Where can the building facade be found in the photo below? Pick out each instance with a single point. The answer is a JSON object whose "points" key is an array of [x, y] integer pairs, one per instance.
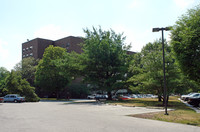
{"points": [[36, 47]]}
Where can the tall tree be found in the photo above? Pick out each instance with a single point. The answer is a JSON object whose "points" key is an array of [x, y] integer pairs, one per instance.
{"points": [[104, 58], [185, 41], [49, 76], [148, 69]]}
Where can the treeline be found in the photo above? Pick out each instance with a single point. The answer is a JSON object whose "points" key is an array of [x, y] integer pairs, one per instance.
{"points": [[106, 66]]}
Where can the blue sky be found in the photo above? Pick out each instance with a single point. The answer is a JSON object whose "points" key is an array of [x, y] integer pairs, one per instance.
{"points": [[54, 19]]}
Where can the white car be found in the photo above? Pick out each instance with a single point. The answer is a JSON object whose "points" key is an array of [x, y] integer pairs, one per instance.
{"points": [[13, 98], [186, 97], [91, 96]]}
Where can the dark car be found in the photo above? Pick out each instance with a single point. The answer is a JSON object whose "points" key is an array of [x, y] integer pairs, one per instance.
{"points": [[195, 101], [99, 97]]}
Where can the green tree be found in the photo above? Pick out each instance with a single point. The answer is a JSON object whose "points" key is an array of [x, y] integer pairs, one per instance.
{"points": [[104, 59], [29, 68], [147, 69], [70, 64], [185, 41], [3, 74], [14, 84], [49, 75]]}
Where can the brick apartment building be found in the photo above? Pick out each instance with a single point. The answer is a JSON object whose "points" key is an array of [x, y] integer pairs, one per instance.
{"points": [[36, 47]]}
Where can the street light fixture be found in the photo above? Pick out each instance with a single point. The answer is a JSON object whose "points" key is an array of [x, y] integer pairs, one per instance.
{"points": [[165, 88]]}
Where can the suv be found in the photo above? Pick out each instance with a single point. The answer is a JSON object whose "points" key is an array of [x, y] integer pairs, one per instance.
{"points": [[13, 98]]}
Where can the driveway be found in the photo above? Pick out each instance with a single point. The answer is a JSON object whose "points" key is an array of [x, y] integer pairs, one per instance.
{"points": [[80, 117]]}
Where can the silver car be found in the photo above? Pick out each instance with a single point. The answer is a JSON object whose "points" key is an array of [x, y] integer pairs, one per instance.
{"points": [[13, 98]]}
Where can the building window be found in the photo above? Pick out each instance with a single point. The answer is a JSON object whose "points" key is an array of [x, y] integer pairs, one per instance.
{"points": [[24, 49], [27, 48], [23, 56], [68, 44], [31, 47], [31, 54], [26, 54]]}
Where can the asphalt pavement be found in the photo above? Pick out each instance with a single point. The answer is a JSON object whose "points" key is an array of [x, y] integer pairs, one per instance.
{"points": [[80, 117]]}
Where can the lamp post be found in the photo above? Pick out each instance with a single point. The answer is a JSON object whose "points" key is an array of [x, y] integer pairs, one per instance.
{"points": [[165, 88]]}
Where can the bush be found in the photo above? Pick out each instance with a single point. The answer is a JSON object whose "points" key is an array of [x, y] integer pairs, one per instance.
{"points": [[29, 92], [16, 85]]}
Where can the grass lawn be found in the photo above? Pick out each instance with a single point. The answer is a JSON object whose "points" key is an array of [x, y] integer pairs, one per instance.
{"points": [[181, 113]]}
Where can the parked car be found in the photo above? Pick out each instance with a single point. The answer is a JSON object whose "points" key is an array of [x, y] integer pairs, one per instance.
{"points": [[124, 97], [154, 96], [13, 98], [192, 96], [91, 96], [195, 101], [186, 97], [101, 97], [1, 100], [133, 96]]}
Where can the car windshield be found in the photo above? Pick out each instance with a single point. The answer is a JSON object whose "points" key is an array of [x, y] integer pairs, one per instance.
{"points": [[195, 95], [192, 94]]}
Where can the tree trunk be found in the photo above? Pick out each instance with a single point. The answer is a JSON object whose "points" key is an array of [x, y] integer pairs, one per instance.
{"points": [[167, 99], [109, 95], [57, 94], [159, 98]]}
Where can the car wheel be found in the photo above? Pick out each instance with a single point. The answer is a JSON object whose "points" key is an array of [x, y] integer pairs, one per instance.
{"points": [[15, 101]]}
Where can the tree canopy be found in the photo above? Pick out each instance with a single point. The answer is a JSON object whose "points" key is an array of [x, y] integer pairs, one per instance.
{"points": [[49, 75], [185, 41], [29, 68], [3, 75], [147, 69], [14, 84], [104, 58]]}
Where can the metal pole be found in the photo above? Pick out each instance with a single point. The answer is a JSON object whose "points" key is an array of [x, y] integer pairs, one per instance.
{"points": [[165, 89]]}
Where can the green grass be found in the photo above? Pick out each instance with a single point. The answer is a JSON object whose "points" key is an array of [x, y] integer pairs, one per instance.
{"points": [[181, 113]]}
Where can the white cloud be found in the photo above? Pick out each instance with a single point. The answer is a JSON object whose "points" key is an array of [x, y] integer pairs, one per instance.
{"points": [[184, 3], [52, 32]]}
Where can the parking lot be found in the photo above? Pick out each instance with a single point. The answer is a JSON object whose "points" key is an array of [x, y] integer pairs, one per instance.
{"points": [[76, 117]]}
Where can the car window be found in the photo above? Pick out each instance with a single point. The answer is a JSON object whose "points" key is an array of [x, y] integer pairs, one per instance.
{"points": [[7, 96], [12, 96], [195, 95]]}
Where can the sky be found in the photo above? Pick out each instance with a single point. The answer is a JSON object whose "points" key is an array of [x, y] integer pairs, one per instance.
{"points": [[55, 19]]}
